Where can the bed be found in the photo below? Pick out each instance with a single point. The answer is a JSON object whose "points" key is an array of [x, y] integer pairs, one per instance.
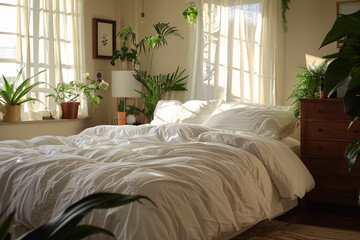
{"points": [[208, 182]]}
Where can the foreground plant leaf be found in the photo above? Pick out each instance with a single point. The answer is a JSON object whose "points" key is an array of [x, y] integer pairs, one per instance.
{"points": [[352, 152], [336, 74], [6, 225], [67, 222]]}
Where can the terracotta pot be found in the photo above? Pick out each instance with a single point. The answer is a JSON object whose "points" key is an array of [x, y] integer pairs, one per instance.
{"points": [[70, 110], [12, 113], [121, 118]]}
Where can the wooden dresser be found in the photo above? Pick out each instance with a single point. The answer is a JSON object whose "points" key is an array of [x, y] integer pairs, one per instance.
{"points": [[324, 139]]}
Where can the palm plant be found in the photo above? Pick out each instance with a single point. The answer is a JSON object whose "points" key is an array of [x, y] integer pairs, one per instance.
{"points": [[346, 30], [65, 225], [155, 86], [12, 95]]}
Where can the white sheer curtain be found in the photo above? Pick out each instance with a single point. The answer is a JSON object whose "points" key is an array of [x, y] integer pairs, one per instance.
{"points": [[50, 36], [232, 52]]}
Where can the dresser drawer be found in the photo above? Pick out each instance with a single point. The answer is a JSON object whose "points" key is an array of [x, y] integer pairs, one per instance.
{"points": [[325, 110], [331, 130], [322, 148], [330, 167], [344, 190]]}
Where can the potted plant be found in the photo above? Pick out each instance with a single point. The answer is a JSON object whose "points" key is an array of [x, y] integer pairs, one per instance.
{"points": [[67, 95], [190, 14], [155, 86], [121, 114], [346, 30], [12, 96], [307, 85]]}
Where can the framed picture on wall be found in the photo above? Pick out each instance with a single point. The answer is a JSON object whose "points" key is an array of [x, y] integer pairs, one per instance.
{"points": [[345, 8], [104, 38]]}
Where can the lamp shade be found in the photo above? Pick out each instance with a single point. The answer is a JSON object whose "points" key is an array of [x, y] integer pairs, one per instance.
{"points": [[123, 84]]}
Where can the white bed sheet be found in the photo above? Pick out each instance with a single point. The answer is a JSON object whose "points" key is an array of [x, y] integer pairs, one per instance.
{"points": [[207, 183]]}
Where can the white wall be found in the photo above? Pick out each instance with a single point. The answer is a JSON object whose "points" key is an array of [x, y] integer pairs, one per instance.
{"points": [[308, 23]]}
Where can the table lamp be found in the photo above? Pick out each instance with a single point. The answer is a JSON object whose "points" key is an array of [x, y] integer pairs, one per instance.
{"points": [[123, 85]]}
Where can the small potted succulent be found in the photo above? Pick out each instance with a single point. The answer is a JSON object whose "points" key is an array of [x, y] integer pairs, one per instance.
{"points": [[67, 95], [12, 96], [121, 114]]}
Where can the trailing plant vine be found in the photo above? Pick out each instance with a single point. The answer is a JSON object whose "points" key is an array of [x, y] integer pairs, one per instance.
{"points": [[284, 9], [190, 14]]}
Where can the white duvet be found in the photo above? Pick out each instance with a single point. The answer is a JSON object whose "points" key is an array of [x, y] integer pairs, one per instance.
{"points": [[206, 183]]}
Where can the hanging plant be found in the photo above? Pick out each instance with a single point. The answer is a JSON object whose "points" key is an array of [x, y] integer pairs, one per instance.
{"points": [[284, 8], [190, 14]]}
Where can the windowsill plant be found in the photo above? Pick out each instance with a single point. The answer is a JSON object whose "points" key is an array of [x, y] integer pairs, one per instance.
{"points": [[71, 92], [11, 97]]}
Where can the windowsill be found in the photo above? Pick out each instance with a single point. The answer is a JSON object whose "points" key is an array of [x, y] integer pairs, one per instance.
{"points": [[43, 121]]}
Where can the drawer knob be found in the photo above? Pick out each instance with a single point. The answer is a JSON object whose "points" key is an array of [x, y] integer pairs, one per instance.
{"points": [[356, 131], [319, 148], [319, 111], [320, 130]]}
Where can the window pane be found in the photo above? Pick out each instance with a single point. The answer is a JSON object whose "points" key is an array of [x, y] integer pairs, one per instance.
{"points": [[7, 46], [8, 1], [8, 19], [8, 70]]}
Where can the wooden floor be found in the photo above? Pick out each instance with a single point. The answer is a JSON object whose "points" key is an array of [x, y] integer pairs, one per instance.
{"points": [[332, 216]]}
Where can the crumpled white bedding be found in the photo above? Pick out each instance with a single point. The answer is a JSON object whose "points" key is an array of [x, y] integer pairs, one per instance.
{"points": [[205, 182]]}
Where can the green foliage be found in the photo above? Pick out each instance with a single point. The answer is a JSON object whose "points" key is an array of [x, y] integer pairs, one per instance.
{"points": [[121, 106], [70, 92], [125, 53], [284, 9], [64, 226], [5, 226], [307, 85], [190, 14], [12, 95], [155, 86], [346, 30]]}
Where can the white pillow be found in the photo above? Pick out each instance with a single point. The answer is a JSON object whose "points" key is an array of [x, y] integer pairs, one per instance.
{"points": [[193, 111], [271, 121], [196, 111], [166, 111]]}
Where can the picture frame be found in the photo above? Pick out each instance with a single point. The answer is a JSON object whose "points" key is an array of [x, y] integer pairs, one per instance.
{"points": [[345, 8], [104, 38]]}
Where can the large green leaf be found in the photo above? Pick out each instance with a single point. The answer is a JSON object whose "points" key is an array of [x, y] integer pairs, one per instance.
{"points": [[352, 102], [5, 226], [68, 220], [352, 152], [342, 27], [82, 231], [355, 78], [336, 73]]}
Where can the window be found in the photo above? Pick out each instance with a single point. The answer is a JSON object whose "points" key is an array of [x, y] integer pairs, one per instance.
{"points": [[37, 35], [234, 50]]}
